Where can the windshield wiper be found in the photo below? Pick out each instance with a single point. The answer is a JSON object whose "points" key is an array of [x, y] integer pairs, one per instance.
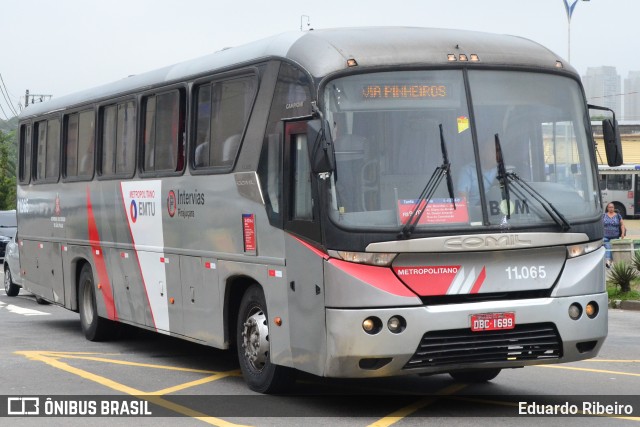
{"points": [[427, 192], [553, 212], [505, 177], [502, 176]]}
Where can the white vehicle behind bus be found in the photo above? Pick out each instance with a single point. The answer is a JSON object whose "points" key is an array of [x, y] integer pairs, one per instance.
{"points": [[620, 185]]}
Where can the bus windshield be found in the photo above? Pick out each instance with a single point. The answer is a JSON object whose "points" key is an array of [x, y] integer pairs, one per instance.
{"points": [[387, 141]]}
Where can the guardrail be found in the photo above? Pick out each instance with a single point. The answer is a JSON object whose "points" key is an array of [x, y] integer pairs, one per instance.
{"points": [[623, 249]]}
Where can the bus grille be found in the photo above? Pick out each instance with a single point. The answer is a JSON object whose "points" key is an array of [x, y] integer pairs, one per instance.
{"points": [[453, 347]]}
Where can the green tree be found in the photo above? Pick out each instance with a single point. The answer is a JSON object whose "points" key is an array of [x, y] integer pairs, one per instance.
{"points": [[8, 157]]}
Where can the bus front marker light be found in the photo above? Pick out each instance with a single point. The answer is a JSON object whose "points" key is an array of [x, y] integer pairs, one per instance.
{"points": [[463, 57], [451, 57], [278, 321], [372, 325], [575, 311], [352, 62], [396, 324], [475, 58], [591, 309]]}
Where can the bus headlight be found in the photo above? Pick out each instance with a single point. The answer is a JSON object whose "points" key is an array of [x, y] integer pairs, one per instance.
{"points": [[583, 249], [380, 259]]}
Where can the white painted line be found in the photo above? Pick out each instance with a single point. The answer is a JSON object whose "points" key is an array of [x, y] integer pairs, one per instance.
{"points": [[24, 311]]}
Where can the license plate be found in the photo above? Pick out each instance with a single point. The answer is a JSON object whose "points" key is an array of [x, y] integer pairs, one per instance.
{"points": [[493, 321]]}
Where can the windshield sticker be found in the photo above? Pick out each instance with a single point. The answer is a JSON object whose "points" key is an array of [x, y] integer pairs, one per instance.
{"points": [[463, 123], [438, 211]]}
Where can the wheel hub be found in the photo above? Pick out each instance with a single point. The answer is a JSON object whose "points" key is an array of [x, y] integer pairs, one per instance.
{"points": [[255, 339]]}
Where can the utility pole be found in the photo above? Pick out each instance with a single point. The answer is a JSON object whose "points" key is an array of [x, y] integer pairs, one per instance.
{"points": [[35, 98], [569, 8]]}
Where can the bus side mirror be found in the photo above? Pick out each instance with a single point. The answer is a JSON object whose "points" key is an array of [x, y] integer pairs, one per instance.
{"points": [[612, 143], [320, 147]]}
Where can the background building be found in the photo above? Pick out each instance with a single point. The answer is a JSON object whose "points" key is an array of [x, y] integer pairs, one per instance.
{"points": [[632, 96], [602, 87]]}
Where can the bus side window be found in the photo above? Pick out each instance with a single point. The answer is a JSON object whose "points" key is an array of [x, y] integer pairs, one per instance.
{"points": [[117, 140], [222, 114], [48, 150], [25, 154], [79, 145], [70, 146], [603, 181], [163, 144]]}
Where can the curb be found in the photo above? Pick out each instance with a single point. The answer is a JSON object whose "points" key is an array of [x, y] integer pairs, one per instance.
{"points": [[625, 305]]}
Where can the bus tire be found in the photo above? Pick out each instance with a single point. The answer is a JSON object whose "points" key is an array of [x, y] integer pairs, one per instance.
{"points": [[10, 288], [252, 343], [94, 327], [41, 300], [619, 207], [475, 375]]}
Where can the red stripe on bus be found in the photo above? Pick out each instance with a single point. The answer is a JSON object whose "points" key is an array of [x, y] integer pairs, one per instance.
{"points": [[311, 248], [135, 252], [98, 261], [382, 278], [479, 281]]}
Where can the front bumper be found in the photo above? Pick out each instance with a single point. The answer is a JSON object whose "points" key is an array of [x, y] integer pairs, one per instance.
{"points": [[351, 352]]}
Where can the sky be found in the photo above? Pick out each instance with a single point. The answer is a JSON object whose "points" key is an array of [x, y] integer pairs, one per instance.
{"points": [[57, 47]]}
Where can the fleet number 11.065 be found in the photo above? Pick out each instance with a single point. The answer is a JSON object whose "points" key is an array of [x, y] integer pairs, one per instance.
{"points": [[524, 272]]}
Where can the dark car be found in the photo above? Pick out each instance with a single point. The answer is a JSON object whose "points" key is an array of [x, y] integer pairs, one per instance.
{"points": [[8, 229]]}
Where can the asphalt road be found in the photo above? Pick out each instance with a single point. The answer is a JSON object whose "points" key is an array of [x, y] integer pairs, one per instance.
{"points": [[44, 354]]}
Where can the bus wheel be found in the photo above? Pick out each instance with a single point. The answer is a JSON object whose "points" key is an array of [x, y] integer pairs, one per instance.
{"points": [[475, 375], [252, 342], [10, 288], [620, 209], [41, 300], [94, 327]]}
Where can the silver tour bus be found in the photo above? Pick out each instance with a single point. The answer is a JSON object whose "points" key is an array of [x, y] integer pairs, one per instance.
{"points": [[357, 202]]}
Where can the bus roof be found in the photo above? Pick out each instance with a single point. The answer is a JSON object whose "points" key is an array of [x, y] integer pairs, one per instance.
{"points": [[325, 51]]}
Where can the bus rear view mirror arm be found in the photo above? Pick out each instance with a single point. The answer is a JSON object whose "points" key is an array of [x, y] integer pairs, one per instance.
{"points": [[320, 147]]}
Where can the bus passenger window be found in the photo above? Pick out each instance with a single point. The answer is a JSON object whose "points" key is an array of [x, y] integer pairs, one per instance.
{"points": [[71, 146], [78, 145], [53, 148], [47, 156], [126, 138], [222, 113], [163, 133], [25, 154]]}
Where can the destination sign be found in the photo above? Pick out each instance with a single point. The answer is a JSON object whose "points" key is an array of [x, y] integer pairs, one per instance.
{"points": [[404, 91]]}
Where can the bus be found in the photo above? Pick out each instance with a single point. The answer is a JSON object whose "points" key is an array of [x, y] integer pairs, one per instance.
{"points": [[620, 185], [312, 201]]}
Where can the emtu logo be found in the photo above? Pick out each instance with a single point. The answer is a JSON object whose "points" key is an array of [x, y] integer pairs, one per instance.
{"points": [[171, 203], [133, 211]]}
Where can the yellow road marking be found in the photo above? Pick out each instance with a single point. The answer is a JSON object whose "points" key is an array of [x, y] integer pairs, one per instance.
{"points": [[87, 356], [602, 371], [401, 413], [201, 381], [612, 360], [52, 359]]}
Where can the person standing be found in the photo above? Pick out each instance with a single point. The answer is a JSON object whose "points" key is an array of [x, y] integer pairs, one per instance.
{"points": [[613, 229]]}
